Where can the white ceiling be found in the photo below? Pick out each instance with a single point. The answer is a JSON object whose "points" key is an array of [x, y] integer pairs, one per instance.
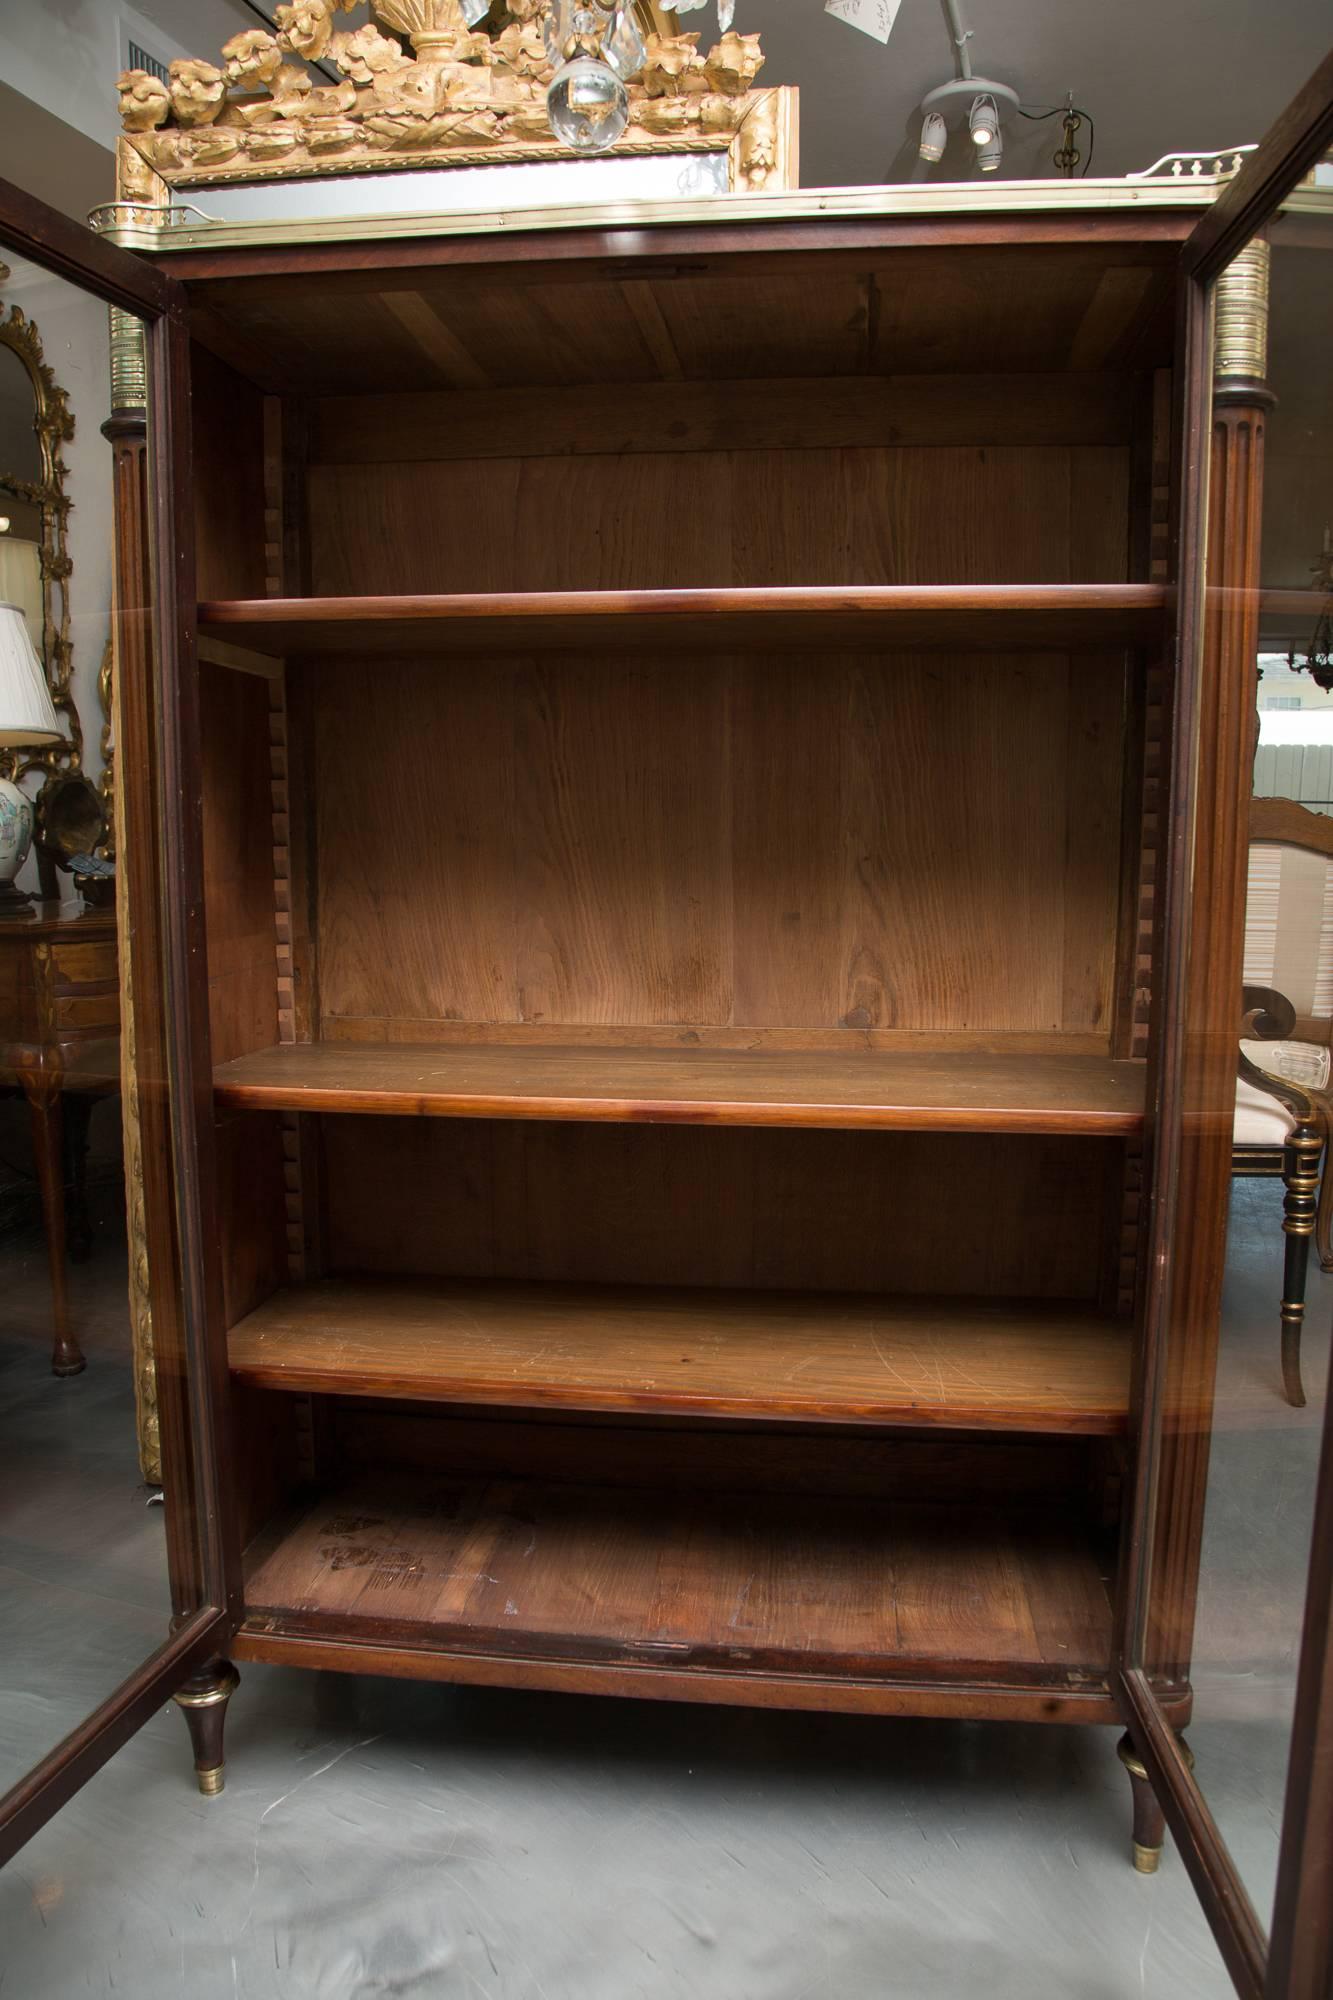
{"points": [[1156, 75]]}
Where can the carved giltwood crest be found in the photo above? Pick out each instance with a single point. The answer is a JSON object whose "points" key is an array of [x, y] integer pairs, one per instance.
{"points": [[430, 91]]}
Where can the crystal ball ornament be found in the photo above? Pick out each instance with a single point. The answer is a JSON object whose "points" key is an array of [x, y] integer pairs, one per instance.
{"points": [[587, 105]]}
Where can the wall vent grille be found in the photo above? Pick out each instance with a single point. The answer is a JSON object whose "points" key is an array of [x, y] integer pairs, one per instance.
{"points": [[139, 58]]}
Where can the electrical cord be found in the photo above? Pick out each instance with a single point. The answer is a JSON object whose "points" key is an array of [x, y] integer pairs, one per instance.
{"points": [[1059, 111]]}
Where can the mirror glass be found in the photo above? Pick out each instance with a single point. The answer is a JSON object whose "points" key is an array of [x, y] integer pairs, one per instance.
{"points": [[21, 475], [458, 190], [20, 451]]}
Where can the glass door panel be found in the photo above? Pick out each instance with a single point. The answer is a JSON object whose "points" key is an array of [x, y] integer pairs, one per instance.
{"points": [[1245, 1424], [84, 1591], [1236, 1368], [106, 1602], [1277, 1302]]}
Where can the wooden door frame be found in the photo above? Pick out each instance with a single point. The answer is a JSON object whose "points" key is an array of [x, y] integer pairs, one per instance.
{"points": [[171, 977], [1300, 135], [1298, 1965]]}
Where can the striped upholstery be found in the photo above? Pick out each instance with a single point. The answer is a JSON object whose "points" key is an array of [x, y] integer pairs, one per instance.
{"points": [[1288, 945], [1289, 926]]}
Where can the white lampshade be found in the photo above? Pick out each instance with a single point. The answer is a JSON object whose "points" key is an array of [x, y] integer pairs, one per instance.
{"points": [[21, 580], [26, 711]]}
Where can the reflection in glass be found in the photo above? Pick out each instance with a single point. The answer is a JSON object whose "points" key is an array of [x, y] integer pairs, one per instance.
{"points": [[84, 1597], [20, 479], [1264, 1442]]}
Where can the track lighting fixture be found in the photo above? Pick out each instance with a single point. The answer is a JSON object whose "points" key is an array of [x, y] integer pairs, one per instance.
{"points": [[990, 155], [983, 120], [934, 136], [984, 103]]}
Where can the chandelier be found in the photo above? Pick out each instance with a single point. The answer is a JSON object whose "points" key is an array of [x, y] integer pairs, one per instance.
{"points": [[1318, 657]]}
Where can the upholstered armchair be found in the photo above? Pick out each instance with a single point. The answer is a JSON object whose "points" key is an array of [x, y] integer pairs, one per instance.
{"points": [[1284, 1111]]}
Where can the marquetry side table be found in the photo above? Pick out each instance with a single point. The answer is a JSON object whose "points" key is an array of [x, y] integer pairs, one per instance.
{"points": [[59, 1031]]}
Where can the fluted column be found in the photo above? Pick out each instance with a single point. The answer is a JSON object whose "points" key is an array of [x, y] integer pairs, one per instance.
{"points": [[127, 431], [1227, 740]]}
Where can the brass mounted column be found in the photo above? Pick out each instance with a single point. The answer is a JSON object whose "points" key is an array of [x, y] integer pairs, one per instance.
{"points": [[127, 431], [1228, 651], [129, 374], [1240, 332], [1242, 401]]}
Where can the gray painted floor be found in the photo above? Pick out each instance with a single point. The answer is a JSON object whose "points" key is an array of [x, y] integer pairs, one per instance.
{"points": [[378, 1838]]}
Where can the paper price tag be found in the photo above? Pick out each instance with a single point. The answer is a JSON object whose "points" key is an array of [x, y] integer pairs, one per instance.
{"points": [[872, 17]]}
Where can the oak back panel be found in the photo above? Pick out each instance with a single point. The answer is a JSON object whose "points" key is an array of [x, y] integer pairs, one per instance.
{"points": [[653, 1204], [227, 415], [649, 519], [238, 861], [831, 844]]}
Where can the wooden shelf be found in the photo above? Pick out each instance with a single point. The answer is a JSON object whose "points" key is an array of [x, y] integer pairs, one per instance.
{"points": [[965, 1364], [524, 1573], [888, 617], [864, 1088]]}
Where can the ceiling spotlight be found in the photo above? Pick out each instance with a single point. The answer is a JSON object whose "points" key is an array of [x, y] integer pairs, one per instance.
{"points": [[983, 121], [934, 136], [981, 103]]}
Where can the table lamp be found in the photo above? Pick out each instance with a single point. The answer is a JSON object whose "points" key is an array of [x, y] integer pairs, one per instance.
{"points": [[21, 578], [27, 718]]}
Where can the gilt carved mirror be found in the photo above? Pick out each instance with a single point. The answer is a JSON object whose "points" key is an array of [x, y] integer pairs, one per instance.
{"points": [[35, 570]]}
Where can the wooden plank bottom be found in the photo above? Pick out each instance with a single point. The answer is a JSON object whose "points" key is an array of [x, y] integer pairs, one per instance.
{"points": [[817, 1595]]}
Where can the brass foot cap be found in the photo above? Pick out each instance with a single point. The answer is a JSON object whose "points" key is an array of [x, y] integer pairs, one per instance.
{"points": [[1146, 1858], [211, 1782], [68, 1367]]}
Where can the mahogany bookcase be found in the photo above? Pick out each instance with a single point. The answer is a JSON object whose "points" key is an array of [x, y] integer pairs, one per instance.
{"points": [[686, 908]]}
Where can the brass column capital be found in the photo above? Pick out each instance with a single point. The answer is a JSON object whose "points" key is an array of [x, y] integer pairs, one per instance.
{"points": [[1240, 331], [129, 369]]}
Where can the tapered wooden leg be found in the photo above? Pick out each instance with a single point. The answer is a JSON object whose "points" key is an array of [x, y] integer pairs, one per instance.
{"points": [[204, 1699], [1149, 1819], [1300, 1175], [43, 1095]]}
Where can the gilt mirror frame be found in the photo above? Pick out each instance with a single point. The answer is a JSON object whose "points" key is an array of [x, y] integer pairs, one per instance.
{"points": [[53, 423], [53, 426]]}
